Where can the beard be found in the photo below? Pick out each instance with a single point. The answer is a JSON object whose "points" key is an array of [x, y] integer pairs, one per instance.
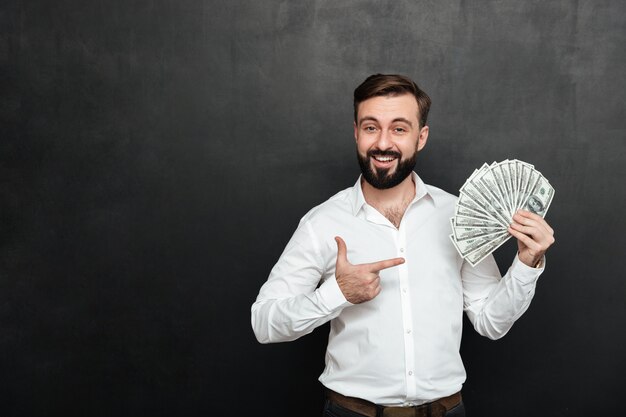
{"points": [[381, 178]]}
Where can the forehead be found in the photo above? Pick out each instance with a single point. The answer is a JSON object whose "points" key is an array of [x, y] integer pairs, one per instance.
{"points": [[387, 108]]}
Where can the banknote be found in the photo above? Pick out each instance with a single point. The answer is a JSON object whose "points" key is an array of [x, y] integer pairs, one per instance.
{"points": [[482, 252], [468, 212], [494, 184], [471, 191], [472, 232], [468, 205], [487, 202], [468, 246], [503, 170], [463, 221], [539, 199]]}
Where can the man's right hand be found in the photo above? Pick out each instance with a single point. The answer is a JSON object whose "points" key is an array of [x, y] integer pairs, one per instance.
{"points": [[359, 283]]}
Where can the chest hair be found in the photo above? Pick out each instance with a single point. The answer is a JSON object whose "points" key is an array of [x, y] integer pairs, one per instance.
{"points": [[395, 213]]}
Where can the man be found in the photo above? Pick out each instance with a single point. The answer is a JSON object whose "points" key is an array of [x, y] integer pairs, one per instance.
{"points": [[393, 348]]}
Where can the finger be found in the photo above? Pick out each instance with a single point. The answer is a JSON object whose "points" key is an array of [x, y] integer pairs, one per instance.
{"points": [[372, 280], [377, 291], [387, 263], [533, 222], [539, 230], [525, 214], [527, 218], [526, 240], [528, 214], [539, 241], [342, 251], [374, 287], [536, 231]]}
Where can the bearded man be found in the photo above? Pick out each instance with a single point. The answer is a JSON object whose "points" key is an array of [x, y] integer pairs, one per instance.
{"points": [[395, 330]]}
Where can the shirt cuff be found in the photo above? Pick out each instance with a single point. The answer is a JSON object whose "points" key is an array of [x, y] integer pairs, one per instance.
{"points": [[331, 296], [524, 273]]}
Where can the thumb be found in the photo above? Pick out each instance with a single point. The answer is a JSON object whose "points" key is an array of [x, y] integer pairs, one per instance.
{"points": [[342, 251]]}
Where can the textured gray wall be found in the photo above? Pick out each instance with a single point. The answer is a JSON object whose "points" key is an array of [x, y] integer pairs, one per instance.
{"points": [[156, 156]]}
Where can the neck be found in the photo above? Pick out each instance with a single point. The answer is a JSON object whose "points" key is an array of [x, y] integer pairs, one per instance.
{"points": [[398, 196]]}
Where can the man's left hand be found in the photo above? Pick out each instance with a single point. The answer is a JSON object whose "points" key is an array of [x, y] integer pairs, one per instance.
{"points": [[534, 236]]}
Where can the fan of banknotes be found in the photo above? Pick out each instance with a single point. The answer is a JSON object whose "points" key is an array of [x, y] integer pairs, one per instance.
{"points": [[487, 202]]}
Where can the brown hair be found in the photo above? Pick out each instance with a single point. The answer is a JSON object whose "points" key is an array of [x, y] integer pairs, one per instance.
{"points": [[392, 85]]}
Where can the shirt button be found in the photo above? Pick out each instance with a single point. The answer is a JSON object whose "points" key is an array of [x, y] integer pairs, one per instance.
{"points": [[408, 331], [402, 250], [404, 290], [410, 372]]}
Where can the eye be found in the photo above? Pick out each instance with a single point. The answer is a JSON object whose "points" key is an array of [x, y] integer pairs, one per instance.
{"points": [[399, 129], [369, 129]]}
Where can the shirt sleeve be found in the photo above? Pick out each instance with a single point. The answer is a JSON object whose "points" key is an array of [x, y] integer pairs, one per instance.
{"points": [[292, 303], [493, 303]]}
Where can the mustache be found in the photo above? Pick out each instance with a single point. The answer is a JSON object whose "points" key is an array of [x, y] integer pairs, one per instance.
{"points": [[373, 153]]}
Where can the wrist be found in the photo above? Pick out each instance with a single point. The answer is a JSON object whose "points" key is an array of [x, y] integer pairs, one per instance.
{"points": [[531, 261]]}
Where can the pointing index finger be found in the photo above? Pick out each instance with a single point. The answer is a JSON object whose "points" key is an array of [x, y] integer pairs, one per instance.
{"points": [[385, 264]]}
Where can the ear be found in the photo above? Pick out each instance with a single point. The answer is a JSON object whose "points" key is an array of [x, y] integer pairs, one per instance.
{"points": [[422, 138], [356, 129]]}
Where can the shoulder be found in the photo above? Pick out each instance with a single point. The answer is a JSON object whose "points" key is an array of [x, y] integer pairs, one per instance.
{"points": [[336, 206], [325, 221]]}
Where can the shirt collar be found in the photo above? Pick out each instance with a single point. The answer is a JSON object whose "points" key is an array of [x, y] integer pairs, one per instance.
{"points": [[358, 200]]}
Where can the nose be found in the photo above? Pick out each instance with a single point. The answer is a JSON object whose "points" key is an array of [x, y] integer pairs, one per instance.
{"points": [[384, 140]]}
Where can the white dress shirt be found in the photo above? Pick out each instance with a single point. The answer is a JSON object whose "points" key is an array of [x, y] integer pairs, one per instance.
{"points": [[402, 347]]}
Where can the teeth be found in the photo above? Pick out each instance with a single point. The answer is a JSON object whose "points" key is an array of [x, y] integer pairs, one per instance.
{"points": [[384, 158]]}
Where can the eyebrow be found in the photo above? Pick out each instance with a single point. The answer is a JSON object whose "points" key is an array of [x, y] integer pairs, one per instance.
{"points": [[397, 119]]}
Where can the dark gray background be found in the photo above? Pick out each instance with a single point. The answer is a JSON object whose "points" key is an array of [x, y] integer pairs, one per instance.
{"points": [[156, 156]]}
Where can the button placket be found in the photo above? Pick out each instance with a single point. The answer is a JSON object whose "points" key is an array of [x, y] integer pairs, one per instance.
{"points": [[407, 322]]}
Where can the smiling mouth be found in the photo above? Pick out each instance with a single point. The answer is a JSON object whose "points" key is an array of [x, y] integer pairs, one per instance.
{"points": [[383, 158]]}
